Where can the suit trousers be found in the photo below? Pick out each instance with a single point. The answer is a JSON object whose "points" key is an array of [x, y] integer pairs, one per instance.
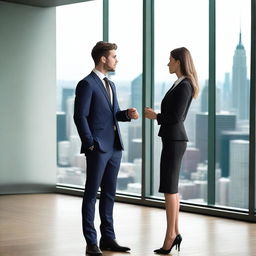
{"points": [[102, 171]]}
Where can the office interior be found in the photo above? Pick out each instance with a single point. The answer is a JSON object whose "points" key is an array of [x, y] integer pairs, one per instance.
{"points": [[44, 52]]}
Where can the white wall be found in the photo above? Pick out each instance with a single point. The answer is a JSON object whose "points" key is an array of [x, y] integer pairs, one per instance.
{"points": [[27, 98]]}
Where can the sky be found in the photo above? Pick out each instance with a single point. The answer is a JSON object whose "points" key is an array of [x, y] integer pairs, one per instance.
{"points": [[177, 23]]}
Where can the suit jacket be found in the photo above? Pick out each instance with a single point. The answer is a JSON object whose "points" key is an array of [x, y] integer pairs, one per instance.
{"points": [[95, 118], [174, 108]]}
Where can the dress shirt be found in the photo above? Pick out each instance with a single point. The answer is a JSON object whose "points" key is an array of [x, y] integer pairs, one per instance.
{"points": [[101, 77], [178, 81]]}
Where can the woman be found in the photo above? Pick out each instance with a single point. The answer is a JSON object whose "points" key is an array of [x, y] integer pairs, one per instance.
{"points": [[174, 108]]}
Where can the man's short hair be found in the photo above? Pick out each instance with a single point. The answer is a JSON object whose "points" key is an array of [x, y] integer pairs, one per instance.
{"points": [[102, 49]]}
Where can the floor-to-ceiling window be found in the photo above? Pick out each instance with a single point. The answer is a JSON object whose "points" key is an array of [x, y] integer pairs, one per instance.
{"points": [[125, 29], [76, 36], [232, 102], [176, 25], [216, 165]]}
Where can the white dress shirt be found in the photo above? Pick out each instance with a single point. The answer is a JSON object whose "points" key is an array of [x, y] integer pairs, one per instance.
{"points": [[101, 77], [178, 81]]}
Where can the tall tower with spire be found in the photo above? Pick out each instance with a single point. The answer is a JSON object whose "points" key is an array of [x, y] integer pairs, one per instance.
{"points": [[240, 85]]}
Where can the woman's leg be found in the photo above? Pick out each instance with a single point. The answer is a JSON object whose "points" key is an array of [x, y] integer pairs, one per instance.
{"points": [[171, 217], [177, 214]]}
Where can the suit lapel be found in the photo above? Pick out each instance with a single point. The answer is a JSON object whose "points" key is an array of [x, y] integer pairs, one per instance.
{"points": [[99, 83], [173, 87], [170, 89]]}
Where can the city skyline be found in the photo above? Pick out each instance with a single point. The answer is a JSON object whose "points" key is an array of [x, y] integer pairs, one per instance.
{"points": [[232, 128]]}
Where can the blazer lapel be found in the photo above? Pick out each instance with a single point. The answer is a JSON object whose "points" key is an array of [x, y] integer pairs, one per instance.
{"points": [[170, 89], [99, 83], [174, 86]]}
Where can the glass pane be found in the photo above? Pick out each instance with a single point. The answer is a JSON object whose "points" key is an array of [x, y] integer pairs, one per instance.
{"points": [[125, 29], [173, 31], [232, 112], [75, 40]]}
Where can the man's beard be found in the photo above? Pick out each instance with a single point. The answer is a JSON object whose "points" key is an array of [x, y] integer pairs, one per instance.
{"points": [[109, 69]]}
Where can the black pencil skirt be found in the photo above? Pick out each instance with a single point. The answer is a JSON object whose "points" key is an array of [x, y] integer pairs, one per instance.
{"points": [[171, 157]]}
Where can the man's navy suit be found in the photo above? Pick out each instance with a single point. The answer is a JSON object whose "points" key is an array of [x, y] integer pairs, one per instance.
{"points": [[96, 120]]}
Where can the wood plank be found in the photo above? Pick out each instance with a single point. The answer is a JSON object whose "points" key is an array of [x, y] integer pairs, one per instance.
{"points": [[50, 225]]}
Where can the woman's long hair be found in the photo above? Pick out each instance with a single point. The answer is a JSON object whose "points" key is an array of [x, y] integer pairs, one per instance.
{"points": [[187, 67]]}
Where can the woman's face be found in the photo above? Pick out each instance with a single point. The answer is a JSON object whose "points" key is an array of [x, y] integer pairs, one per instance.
{"points": [[173, 65]]}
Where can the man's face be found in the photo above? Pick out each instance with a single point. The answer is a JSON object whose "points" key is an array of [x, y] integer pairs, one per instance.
{"points": [[111, 61]]}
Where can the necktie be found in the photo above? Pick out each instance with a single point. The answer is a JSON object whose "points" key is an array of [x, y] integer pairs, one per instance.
{"points": [[107, 87]]}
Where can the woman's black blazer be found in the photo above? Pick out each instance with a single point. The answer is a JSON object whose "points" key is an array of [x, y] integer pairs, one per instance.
{"points": [[174, 108]]}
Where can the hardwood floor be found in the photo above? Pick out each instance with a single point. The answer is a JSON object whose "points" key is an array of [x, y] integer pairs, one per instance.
{"points": [[50, 225]]}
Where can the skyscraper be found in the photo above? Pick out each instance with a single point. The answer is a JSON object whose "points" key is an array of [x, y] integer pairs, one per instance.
{"points": [[225, 139], [61, 134], [240, 85], [135, 141], [134, 130], [239, 173], [222, 191], [136, 95], [190, 160], [224, 122], [204, 98], [226, 94]]}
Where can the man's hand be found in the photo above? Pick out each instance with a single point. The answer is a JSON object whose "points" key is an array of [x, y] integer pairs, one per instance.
{"points": [[132, 113], [150, 113]]}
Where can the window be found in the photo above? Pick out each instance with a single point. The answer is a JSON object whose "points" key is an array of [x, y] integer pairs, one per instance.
{"points": [[229, 66], [173, 31], [125, 29], [232, 93], [75, 39]]}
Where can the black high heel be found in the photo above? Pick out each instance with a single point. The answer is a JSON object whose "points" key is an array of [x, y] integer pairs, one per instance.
{"points": [[176, 243], [179, 238]]}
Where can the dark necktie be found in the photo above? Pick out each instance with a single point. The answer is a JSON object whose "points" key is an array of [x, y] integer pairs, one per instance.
{"points": [[107, 87]]}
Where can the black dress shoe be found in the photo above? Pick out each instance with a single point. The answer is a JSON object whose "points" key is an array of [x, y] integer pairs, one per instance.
{"points": [[112, 245], [93, 249]]}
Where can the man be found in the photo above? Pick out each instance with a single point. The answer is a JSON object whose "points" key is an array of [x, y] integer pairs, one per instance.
{"points": [[96, 116]]}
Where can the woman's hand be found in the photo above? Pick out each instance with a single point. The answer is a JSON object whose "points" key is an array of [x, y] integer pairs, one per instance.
{"points": [[149, 113]]}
